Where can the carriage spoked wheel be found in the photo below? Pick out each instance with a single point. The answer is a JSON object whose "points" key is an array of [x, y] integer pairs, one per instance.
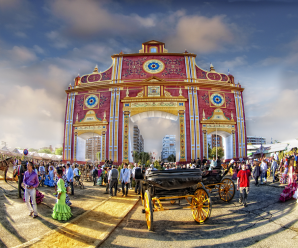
{"points": [[226, 189], [148, 210], [142, 195], [201, 206]]}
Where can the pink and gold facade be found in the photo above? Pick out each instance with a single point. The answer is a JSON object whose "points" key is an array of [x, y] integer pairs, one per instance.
{"points": [[155, 80]]}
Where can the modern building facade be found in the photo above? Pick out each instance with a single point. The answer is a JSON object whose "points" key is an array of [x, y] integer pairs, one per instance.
{"points": [[168, 147], [216, 139], [138, 140], [153, 82], [93, 146], [254, 140]]}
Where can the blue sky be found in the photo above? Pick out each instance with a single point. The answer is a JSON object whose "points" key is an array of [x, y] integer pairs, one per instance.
{"points": [[45, 44]]}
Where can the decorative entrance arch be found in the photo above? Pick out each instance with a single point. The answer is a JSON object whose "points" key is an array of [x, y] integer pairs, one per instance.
{"points": [[154, 80]]}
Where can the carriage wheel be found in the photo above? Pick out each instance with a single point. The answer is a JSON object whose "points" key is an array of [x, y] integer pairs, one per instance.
{"points": [[148, 210], [201, 205], [226, 190]]}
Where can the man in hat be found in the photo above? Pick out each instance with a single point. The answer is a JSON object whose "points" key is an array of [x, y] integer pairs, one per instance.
{"points": [[113, 180], [20, 172]]}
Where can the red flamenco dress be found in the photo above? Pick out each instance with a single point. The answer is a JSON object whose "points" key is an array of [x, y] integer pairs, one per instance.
{"points": [[290, 189]]}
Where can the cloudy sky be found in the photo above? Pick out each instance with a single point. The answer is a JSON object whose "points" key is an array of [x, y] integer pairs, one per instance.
{"points": [[45, 44]]}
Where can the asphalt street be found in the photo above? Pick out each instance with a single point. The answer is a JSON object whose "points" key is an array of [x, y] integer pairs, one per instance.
{"points": [[265, 222]]}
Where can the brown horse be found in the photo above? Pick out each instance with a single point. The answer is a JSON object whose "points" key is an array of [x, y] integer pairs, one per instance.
{"points": [[4, 165]]}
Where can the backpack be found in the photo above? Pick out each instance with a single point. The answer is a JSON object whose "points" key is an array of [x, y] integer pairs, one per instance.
{"points": [[138, 173]]}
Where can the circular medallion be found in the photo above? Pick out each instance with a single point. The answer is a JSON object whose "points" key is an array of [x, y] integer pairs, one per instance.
{"points": [[25, 152], [153, 66], [217, 99], [91, 101]]}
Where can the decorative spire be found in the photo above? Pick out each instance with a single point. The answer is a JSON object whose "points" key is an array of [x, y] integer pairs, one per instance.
{"points": [[232, 116], [211, 67], [204, 117], [185, 51], [121, 52], [228, 71], [127, 92], [96, 69], [104, 115], [180, 92], [77, 119]]}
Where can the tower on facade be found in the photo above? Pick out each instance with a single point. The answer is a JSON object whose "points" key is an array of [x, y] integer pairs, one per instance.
{"points": [[168, 147], [138, 140]]}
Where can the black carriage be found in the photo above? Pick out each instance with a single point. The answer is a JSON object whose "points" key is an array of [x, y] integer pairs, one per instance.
{"points": [[215, 180], [173, 185]]}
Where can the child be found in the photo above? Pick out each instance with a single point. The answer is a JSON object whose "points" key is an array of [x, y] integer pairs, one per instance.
{"points": [[61, 211]]}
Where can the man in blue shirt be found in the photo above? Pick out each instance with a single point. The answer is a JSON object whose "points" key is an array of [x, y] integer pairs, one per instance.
{"points": [[69, 176], [125, 179]]}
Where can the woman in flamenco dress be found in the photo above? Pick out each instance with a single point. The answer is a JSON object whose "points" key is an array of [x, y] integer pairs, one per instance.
{"points": [[290, 189], [67, 199], [61, 211]]}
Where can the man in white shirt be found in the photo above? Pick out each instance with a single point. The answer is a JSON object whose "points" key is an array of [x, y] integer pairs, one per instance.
{"points": [[263, 169], [125, 179], [150, 169], [275, 156]]}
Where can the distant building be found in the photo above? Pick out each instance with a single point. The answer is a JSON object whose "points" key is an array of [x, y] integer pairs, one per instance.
{"points": [[138, 140], [211, 140], [219, 140], [254, 140], [93, 146], [168, 147]]}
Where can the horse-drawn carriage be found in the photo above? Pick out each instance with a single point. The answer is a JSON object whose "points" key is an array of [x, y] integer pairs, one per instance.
{"points": [[192, 185]]}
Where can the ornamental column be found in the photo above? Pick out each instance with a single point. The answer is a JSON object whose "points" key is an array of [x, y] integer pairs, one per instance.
{"points": [[182, 135], [75, 146], [234, 144], [103, 146], [126, 137], [205, 143]]}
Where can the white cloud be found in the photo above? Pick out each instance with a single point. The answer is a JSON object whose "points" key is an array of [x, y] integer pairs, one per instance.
{"points": [[20, 55], [202, 34], [32, 117], [38, 49], [57, 39], [20, 34]]}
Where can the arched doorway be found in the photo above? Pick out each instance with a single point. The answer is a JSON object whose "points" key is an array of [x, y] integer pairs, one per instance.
{"points": [[89, 147], [227, 142], [158, 128]]}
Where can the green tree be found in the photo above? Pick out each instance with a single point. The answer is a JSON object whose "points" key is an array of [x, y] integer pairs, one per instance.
{"points": [[220, 152], [144, 156], [58, 151], [98, 156], [46, 150], [209, 151], [32, 150], [171, 158], [136, 156]]}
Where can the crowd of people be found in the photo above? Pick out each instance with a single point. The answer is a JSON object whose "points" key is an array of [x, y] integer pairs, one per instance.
{"points": [[30, 176], [61, 177]]}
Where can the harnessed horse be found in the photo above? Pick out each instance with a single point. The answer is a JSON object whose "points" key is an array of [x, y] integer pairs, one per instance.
{"points": [[4, 165]]}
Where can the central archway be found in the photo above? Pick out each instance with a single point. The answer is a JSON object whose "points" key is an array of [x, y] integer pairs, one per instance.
{"points": [[227, 142], [154, 126]]}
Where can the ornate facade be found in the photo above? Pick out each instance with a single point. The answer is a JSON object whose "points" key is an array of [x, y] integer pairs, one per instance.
{"points": [[204, 102]]}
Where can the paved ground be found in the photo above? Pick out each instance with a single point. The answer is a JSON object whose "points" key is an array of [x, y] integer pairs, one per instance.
{"points": [[264, 223], [16, 227]]}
